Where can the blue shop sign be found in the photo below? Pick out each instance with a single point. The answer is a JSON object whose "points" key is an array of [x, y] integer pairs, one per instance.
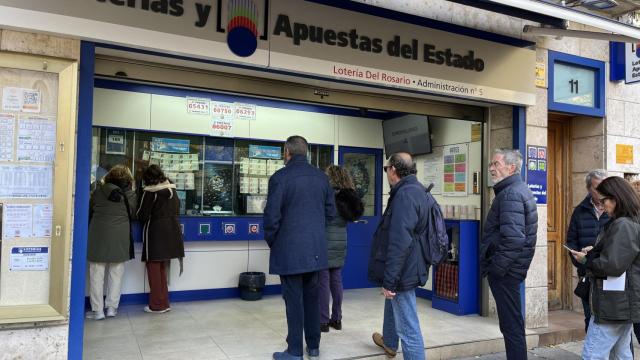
{"points": [[170, 145], [537, 172], [265, 152]]}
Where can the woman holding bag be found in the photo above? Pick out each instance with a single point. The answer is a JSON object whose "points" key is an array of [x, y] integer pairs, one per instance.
{"points": [[110, 244], [613, 267]]}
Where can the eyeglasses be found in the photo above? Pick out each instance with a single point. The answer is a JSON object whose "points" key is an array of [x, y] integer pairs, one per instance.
{"points": [[602, 199], [386, 167]]}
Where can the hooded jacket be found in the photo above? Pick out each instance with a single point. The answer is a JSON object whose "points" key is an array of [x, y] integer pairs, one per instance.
{"points": [[109, 233], [161, 232]]}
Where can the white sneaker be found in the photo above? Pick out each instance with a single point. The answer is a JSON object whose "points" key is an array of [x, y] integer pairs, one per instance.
{"points": [[95, 315], [112, 312], [148, 309]]}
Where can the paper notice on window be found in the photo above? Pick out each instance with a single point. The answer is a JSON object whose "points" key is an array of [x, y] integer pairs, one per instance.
{"points": [[11, 99], [245, 111], [31, 101], [17, 221], [26, 182], [614, 283], [36, 139], [29, 259], [42, 220], [7, 132]]}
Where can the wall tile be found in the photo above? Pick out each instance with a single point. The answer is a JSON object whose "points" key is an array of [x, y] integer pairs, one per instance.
{"points": [[578, 190], [48, 343], [501, 117], [584, 126], [588, 154], [537, 275], [502, 138], [537, 309], [537, 115], [594, 49], [615, 117], [537, 135], [631, 119], [542, 226], [40, 44]]}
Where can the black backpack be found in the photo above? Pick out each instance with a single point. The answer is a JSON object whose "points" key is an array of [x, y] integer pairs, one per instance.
{"points": [[434, 241]]}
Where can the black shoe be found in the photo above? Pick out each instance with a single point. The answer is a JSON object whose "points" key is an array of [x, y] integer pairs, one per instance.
{"points": [[336, 324], [324, 327]]}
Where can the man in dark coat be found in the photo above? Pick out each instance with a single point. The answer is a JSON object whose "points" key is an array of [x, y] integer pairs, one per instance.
{"points": [[299, 205], [508, 246], [396, 263], [587, 220]]}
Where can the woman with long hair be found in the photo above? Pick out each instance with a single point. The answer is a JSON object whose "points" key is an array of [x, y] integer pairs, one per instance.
{"points": [[161, 234], [613, 266], [110, 244], [349, 208]]}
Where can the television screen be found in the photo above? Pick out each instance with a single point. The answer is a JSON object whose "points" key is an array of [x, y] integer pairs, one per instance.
{"points": [[407, 133]]}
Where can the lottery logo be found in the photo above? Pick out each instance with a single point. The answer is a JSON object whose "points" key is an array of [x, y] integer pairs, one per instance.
{"points": [[242, 28], [254, 228], [229, 229]]}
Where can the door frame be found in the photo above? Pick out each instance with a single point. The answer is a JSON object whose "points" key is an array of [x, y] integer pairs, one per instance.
{"points": [[566, 191]]}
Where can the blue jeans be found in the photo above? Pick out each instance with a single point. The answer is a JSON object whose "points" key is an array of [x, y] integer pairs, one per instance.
{"points": [[607, 341], [401, 323]]}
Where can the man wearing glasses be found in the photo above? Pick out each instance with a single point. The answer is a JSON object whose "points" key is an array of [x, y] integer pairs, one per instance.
{"points": [[508, 245], [587, 220], [396, 264]]}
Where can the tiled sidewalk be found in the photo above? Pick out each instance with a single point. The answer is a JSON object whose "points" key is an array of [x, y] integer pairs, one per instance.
{"points": [[236, 329]]}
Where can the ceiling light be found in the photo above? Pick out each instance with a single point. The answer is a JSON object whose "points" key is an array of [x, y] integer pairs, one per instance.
{"points": [[598, 4]]}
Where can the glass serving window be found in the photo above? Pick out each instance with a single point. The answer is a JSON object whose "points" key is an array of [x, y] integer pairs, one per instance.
{"points": [[180, 157], [213, 176]]}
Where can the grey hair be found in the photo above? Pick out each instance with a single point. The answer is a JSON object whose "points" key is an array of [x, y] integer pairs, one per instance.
{"points": [[511, 157], [297, 145], [595, 174]]}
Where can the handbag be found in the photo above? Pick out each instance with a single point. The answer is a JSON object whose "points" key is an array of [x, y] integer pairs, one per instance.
{"points": [[582, 289]]}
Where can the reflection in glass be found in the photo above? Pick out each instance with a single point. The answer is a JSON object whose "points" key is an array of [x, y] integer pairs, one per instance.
{"points": [[362, 170]]}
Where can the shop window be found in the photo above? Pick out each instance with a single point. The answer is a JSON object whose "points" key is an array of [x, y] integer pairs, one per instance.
{"points": [[213, 176]]}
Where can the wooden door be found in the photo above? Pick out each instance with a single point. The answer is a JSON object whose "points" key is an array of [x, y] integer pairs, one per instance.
{"points": [[557, 190]]}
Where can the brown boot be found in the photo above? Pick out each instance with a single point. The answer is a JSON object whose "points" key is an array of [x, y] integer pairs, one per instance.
{"points": [[378, 340]]}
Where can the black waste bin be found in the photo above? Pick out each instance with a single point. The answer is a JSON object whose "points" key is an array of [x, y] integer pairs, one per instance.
{"points": [[251, 285]]}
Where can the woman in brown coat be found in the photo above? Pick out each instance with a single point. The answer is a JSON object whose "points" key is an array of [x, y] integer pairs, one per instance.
{"points": [[162, 235]]}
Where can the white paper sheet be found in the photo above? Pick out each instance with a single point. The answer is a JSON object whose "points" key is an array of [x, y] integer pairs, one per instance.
{"points": [[26, 181], [29, 259], [36, 139], [42, 220], [11, 99], [613, 283], [17, 221], [7, 134]]}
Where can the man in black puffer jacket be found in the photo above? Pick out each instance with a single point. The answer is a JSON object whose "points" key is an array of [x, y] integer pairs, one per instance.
{"points": [[586, 222], [508, 245]]}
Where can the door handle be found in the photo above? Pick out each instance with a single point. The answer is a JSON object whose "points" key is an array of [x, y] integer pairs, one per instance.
{"points": [[361, 222]]}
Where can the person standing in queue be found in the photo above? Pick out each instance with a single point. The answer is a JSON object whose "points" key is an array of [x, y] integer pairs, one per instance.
{"points": [[508, 245], [587, 220], [396, 263], [110, 244], [349, 208], [613, 266], [300, 204], [162, 234]]}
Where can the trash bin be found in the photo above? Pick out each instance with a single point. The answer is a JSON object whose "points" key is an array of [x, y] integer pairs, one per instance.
{"points": [[251, 285]]}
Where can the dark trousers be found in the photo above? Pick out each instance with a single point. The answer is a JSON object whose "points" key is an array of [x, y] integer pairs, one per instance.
{"points": [[330, 288], [587, 313], [300, 293], [158, 290], [506, 292]]}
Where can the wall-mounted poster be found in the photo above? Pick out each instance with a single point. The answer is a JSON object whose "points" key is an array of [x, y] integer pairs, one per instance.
{"points": [[29, 258], [198, 106], [265, 152], [36, 139], [455, 161], [170, 145], [26, 182], [116, 142], [7, 133], [537, 172], [245, 111]]}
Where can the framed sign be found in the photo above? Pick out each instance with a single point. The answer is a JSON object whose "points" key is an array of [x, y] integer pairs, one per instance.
{"points": [[576, 85], [625, 62]]}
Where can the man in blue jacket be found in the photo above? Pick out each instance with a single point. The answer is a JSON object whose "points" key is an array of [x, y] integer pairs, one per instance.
{"points": [[396, 262], [508, 246], [586, 222], [299, 205]]}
